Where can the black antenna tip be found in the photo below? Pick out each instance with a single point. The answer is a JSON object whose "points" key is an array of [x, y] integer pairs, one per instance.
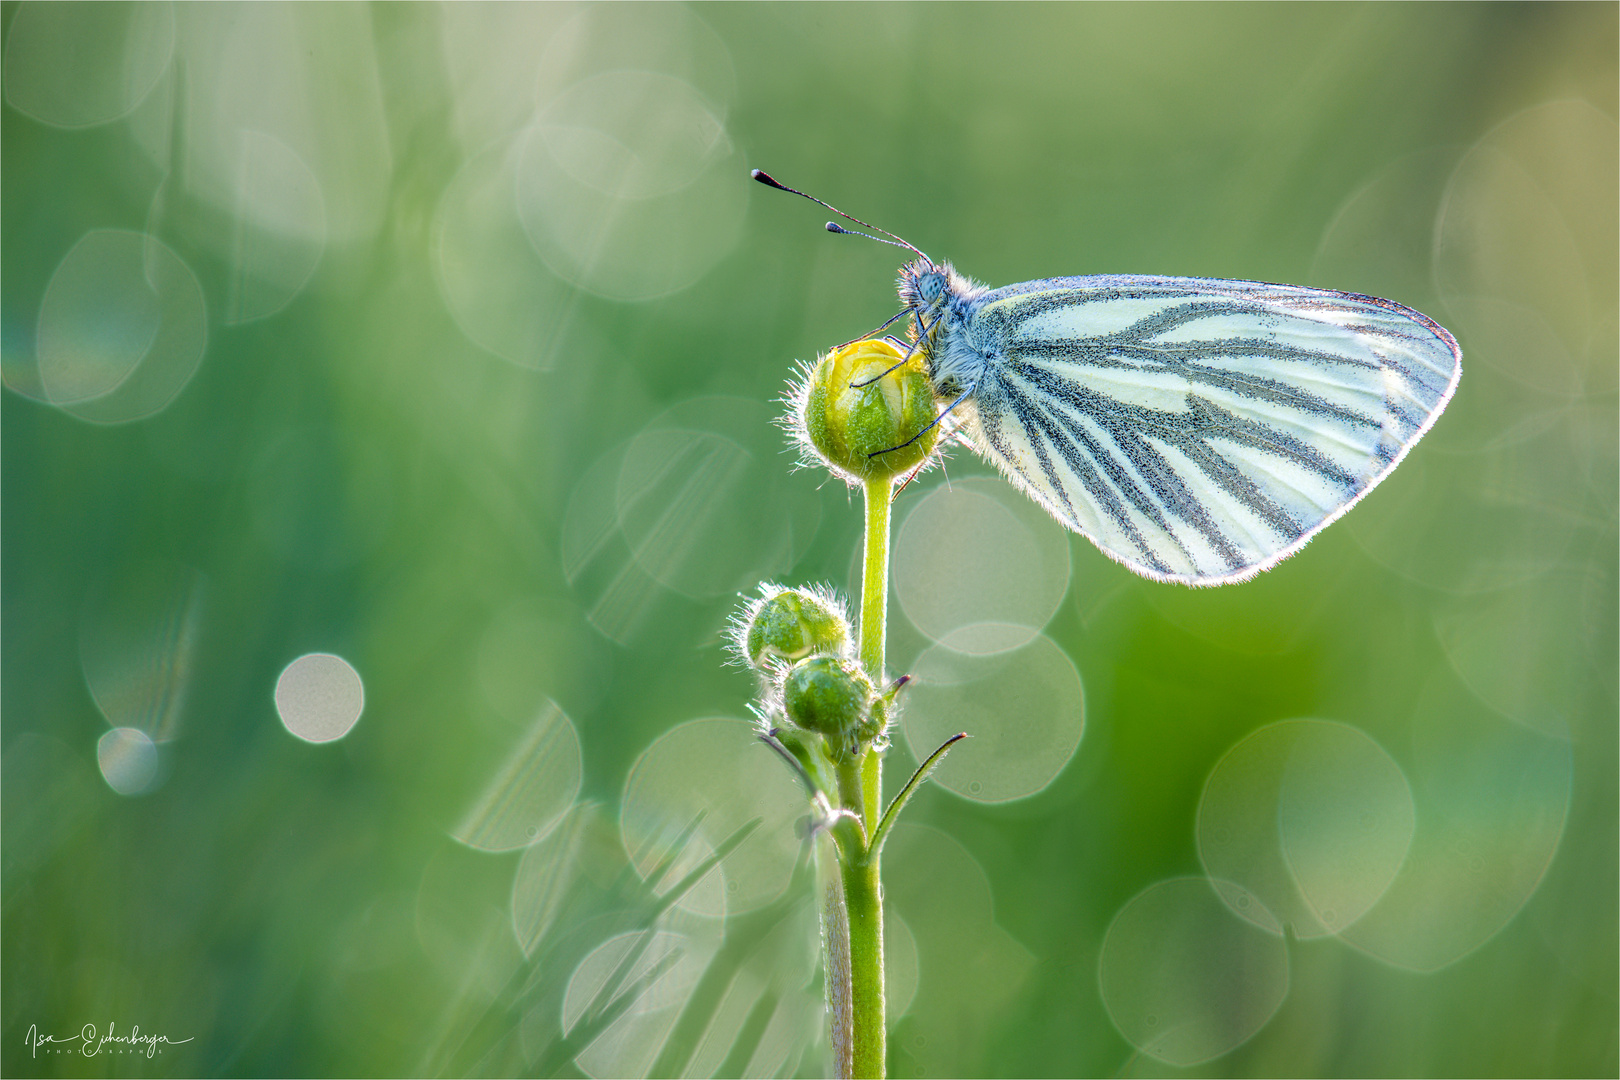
{"points": [[765, 178], [833, 226]]}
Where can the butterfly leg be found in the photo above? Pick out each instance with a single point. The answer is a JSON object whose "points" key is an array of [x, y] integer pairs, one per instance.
{"points": [[923, 332], [907, 483], [910, 349], [895, 367], [878, 330], [940, 454], [933, 424]]}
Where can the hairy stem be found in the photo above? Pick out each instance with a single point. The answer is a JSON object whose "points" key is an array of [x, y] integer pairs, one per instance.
{"points": [[864, 908], [862, 784], [875, 578]]}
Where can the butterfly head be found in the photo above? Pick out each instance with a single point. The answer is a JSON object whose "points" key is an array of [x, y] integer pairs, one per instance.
{"points": [[922, 284]]}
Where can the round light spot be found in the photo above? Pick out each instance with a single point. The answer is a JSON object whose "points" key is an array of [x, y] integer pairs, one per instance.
{"points": [[1183, 979], [98, 318], [1523, 651], [1024, 711], [73, 65], [1345, 817], [1500, 235], [1527, 283], [1493, 515], [545, 878], [1492, 800], [700, 503], [616, 593], [627, 185], [319, 697], [122, 327], [498, 291], [1518, 342], [622, 965], [900, 970], [280, 227], [1571, 149], [671, 495], [776, 988], [128, 760], [697, 785], [136, 646], [530, 790], [694, 504], [1304, 823], [665, 38], [1381, 242], [308, 78], [597, 132], [941, 892], [492, 58], [980, 567]]}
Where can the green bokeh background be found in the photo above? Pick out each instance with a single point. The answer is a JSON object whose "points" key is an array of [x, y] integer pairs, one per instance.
{"points": [[452, 260]]}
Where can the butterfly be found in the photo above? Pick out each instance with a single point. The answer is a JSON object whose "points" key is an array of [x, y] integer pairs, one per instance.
{"points": [[1197, 430]]}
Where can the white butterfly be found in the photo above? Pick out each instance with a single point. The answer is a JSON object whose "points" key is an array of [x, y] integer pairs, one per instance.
{"points": [[1196, 430]]}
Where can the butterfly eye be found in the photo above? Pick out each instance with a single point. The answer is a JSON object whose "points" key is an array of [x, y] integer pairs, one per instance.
{"points": [[930, 286]]}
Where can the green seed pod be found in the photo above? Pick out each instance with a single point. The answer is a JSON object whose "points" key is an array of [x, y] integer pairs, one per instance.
{"points": [[831, 696], [790, 624], [867, 432]]}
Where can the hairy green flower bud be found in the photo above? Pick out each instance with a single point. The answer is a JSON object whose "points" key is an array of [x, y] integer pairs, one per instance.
{"points": [[790, 624], [831, 696], [862, 432]]}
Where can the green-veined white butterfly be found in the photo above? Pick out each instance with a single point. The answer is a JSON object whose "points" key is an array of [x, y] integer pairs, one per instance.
{"points": [[1196, 430]]}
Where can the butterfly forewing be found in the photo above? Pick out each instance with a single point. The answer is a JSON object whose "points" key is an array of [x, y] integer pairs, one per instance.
{"points": [[1200, 430]]}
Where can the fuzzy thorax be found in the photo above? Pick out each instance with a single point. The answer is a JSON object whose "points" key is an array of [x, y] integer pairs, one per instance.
{"points": [[940, 302]]}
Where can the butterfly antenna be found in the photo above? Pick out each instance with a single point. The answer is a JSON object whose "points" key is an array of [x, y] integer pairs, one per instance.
{"points": [[769, 181], [834, 227]]}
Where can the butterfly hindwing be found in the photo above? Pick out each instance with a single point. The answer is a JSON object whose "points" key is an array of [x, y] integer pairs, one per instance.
{"points": [[1200, 430]]}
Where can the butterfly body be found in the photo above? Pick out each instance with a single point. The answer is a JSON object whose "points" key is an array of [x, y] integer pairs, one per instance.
{"points": [[1197, 430]]}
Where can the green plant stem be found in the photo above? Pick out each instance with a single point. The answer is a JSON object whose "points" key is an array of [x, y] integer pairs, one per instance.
{"points": [[875, 578], [863, 903], [861, 790]]}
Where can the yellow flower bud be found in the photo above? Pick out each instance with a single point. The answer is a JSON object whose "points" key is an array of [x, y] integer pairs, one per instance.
{"points": [[877, 430]]}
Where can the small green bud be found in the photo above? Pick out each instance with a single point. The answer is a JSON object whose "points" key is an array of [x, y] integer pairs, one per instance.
{"points": [[878, 430], [831, 696], [790, 624]]}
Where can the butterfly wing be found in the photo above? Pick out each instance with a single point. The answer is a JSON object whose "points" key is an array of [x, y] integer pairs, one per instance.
{"points": [[1200, 430]]}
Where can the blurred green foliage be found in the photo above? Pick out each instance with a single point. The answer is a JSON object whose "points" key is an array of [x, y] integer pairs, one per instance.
{"points": [[447, 340]]}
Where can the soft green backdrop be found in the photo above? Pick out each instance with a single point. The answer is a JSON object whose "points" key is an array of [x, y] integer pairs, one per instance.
{"points": [[447, 340]]}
